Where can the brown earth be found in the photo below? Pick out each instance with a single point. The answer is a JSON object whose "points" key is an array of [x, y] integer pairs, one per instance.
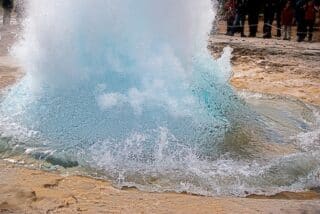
{"points": [[273, 66], [9, 68], [32, 191]]}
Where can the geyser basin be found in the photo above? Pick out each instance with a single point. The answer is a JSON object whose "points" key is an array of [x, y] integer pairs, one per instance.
{"points": [[129, 89]]}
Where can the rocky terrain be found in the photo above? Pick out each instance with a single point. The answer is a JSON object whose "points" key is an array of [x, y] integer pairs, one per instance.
{"points": [[273, 66]]}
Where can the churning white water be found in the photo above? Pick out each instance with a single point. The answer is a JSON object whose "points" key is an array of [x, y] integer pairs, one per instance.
{"points": [[129, 89]]}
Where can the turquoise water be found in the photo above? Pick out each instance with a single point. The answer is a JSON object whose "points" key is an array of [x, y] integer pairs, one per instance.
{"points": [[129, 89]]}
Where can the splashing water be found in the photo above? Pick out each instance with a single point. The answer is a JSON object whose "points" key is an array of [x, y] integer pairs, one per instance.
{"points": [[129, 89]]}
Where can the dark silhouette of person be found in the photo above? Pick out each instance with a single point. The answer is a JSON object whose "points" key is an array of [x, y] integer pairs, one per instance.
{"points": [[229, 8], [279, 8], [7, 6], [300, 18], [287, 20], [269, 12], [310, 18], [253, 16], [240, 18]]}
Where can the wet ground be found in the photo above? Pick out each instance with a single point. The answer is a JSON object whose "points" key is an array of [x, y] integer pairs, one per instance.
{"points": [[273, 66]]}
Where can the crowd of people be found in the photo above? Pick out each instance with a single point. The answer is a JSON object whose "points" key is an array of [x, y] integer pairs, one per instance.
{"points": [[285, 13], [12, 5]]}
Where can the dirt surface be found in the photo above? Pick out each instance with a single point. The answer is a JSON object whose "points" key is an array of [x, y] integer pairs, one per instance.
{"points": [[9, 69], [31, 191], [273, 66]]}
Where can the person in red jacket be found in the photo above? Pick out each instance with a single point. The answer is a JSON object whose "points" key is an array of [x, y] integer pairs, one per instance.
{"points": [[287, 20], [310, 17], [229, 8]]}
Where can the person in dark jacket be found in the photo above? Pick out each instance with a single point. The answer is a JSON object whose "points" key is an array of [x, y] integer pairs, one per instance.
{"points": [[279, 8], [241, 11], [300, 18], [7, 6], [253, 16], [269, 12]]}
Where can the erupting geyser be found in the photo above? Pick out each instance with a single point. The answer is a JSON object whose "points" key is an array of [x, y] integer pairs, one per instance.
{"points": [[129, 88]]}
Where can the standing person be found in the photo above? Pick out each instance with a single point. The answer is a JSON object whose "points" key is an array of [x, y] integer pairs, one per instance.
{"points": [[310, 18], [287, 20], [241, 11], [7, 6], [279, 8], [253, 16], [230, 15], [300, 18], [269, 12]]}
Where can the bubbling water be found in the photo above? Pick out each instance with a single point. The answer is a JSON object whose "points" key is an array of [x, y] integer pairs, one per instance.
{"points": [[121, 68], [129, 89]]}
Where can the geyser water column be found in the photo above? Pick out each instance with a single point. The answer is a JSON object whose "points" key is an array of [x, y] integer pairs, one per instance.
{"points": [[127, 87], [99, 70]]}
